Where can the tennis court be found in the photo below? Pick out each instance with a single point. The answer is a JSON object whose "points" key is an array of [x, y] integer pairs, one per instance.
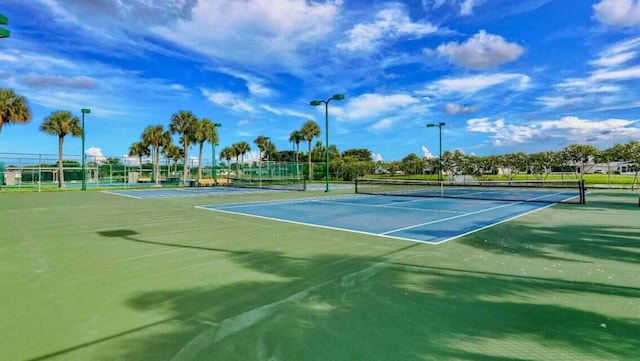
{"points": [[428, 220], [95, 276]]}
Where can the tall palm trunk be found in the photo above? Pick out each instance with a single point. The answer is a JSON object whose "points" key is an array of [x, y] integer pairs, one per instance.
{"points": [[310, 166], [156, 165], [200, 163], [60, 169], [185, 170]]}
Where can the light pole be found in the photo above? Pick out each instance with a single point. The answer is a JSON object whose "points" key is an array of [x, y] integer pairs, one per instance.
{"points": [[213, 152], [439, 125], [84, 171], [315, 103], [268, 157], [4, 33]]}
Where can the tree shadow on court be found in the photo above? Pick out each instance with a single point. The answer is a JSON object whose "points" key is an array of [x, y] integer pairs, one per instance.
{"points": [[349, 307], [599, 230], [133, 236]]}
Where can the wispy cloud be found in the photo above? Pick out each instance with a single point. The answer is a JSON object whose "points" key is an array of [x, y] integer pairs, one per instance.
{"points": [[390, 24], [565, 130], [476, 83], [452, 108], [374, 105], [228, 100], [258, 33], [57, 81]]}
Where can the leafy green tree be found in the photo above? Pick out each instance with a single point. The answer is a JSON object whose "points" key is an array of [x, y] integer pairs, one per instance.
{"points": [[112, 161], [62, 123], [310, 130], [630, 152], [512, 164], [318, 154], [580, 157], [412, 164], [156, 137], [541, 164], [183, 123], [360, 154], [451, 162], [14, 108]]}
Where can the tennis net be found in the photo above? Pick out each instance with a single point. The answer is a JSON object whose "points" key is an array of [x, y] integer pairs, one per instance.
{"points": [[548, 191], [288, 184]]}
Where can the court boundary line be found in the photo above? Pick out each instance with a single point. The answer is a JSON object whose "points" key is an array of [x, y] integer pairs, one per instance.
{"points": [[121, 194], [384, 234]]}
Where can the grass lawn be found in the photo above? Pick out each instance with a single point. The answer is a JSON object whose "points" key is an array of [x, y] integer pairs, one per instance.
{"points": [[94, 276]]}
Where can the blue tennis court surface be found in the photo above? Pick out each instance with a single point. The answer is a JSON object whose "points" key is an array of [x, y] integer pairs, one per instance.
{"points": [[427, 220]]}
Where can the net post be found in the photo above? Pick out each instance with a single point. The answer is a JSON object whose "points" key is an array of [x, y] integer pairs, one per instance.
{"points": [[304, 184], [356, 184], [582, 192]]}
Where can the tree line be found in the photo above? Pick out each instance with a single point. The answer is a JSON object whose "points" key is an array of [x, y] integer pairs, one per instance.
{"points": [[156, 140]]}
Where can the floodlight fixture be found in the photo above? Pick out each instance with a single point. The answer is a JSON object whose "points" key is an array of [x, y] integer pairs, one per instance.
{"points": [[316, 103]]}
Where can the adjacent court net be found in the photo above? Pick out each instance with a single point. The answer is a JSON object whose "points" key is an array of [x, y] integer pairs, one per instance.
{"points": [[549, 191]]}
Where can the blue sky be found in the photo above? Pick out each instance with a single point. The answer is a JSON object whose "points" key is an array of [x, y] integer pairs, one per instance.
{"points": [[504, 75]]}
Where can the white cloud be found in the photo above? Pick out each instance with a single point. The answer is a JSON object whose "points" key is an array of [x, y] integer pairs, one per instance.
{"points": [[609, 83], [281, 111], [94, 154], [452, 108], [503, 134], [383, 124], [481, 51], [466, 8], [619, 13], [473, 84], [261, 33], [369, 105], [426, 153], [624, 74], [377, 157], [568, 129], [228, 100], [391, 23]]}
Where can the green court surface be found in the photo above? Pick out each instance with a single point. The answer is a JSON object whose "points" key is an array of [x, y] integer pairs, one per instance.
{"points": [[96, 276]]}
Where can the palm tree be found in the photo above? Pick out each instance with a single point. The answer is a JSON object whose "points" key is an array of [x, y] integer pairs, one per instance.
{"points": [[263, 144], [156, 137], [13, 108], [310, 130], [205, 132], [172, 153], [184, 124], [62, 123], [241, 149], [139, 149], [296, 136], [227, 154]]}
